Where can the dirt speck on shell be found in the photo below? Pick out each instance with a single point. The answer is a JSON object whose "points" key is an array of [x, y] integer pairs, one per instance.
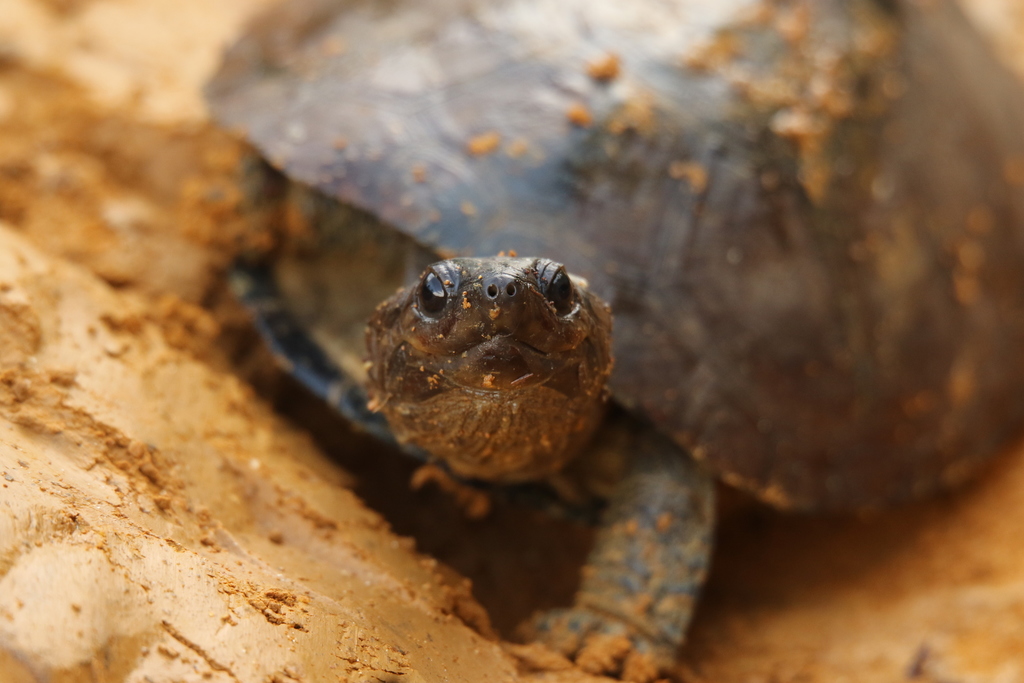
{"points": [[159, 521]]}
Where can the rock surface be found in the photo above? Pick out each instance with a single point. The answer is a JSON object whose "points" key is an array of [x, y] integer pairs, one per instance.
{"points": [[158, 521]]}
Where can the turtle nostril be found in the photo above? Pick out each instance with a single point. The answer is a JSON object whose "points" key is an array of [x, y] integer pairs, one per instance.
{"points": [[501, 287]]}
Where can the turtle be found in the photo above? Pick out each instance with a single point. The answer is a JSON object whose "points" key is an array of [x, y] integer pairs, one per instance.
{"points": [[807, 219]]}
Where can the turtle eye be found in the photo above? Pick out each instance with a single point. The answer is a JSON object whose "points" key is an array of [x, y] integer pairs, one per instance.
{"points": [[559, 292], [432, 295]]}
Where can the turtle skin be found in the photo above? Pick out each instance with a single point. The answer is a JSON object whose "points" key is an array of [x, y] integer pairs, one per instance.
{"points": [[807, 217]]}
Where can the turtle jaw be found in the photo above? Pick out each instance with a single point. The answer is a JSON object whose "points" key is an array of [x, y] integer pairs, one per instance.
{"points": [[504, 364], [499, 411]]}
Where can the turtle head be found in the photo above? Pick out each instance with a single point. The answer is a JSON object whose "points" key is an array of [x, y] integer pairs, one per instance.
{"points": [[495, 365]]}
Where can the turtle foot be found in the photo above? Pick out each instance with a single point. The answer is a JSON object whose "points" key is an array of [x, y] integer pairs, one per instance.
{"points": [[601, 644], [645, 571]]}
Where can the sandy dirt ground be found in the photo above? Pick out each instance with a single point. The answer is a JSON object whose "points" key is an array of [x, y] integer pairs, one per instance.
{"points": [[161, 521]]}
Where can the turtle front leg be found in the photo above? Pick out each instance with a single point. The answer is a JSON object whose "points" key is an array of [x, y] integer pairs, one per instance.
{"points": [[642, 578]]}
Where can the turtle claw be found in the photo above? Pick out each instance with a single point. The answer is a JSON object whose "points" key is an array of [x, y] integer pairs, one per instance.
{"points": [[566, 629], [600, 644]]}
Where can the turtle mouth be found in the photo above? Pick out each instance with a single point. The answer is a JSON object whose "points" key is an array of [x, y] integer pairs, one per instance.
{"points": [[504, 363], [525, 345]]}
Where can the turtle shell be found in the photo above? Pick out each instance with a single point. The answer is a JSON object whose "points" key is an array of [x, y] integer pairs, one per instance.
{"points": [[808, 217]]}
